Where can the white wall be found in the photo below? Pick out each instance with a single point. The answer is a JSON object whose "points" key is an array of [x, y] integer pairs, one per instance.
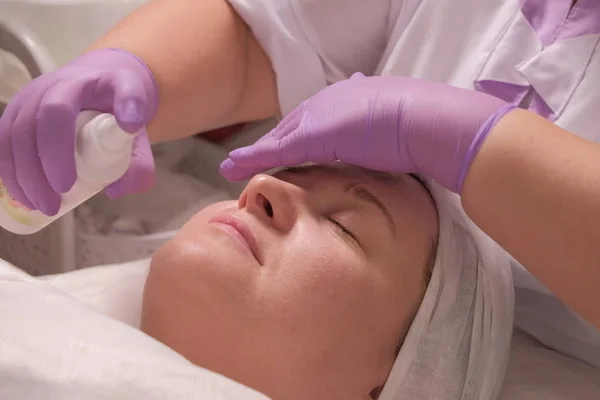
{"points": [[67, 27]]}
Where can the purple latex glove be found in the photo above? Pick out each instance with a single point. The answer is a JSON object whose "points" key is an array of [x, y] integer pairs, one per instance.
{"points": [[392, 124], [37, 129]]}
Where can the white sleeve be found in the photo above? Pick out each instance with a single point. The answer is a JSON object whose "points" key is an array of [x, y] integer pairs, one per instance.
{"points": [[312, 43]]}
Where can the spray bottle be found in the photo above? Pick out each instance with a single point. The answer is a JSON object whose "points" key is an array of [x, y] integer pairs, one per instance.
{"points": [[102, 156]]}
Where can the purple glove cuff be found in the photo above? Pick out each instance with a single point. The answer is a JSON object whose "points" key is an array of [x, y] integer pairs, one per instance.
{"points": [[477, 142]]}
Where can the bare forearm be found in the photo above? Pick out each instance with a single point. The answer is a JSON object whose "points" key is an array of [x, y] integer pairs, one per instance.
{"points": [[535, 189], [208, 66]]}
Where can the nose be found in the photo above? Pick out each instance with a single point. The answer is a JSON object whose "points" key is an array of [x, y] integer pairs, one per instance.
{"points": [[271, 200]]}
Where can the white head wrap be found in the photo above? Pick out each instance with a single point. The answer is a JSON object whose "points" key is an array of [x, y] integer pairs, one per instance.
{"points": [[458, 344]]}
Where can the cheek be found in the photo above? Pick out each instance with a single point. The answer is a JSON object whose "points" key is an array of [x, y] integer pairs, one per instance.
{"points": [[323, 305], [319, 277], [202, 268], [199, 271], [192, 279], [323, 260]]}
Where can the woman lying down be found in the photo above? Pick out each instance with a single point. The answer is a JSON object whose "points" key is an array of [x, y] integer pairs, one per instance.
{"points": [[320, 282], [306, 287]]}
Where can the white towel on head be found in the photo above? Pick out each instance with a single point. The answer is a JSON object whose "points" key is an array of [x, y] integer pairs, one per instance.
{"points": [[458, 344]]}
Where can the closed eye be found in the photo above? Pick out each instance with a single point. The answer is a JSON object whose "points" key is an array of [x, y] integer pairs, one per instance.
{"points": [[341, 227]]}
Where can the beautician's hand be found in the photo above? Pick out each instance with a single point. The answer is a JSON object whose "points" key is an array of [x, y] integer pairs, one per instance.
{"points": [[37, 129], [392, 124]]}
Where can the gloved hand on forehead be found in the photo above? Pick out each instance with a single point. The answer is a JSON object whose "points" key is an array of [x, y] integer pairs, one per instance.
{"points": [[37, 129], [392, 124]]}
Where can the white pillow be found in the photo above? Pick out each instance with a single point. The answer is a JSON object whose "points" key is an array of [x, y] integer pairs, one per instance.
{"points": [[114, 290], [55, 347]]}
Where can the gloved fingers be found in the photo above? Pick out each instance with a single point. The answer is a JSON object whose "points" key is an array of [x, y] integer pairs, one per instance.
{"points": [[121, 94], [56, 118], [245, 156], [130, 101], [8, 174], [288, 124], [232, 172], [248, 161], [235, 173], [307, 145], [140, 176], [30, 172], [263, 152]]}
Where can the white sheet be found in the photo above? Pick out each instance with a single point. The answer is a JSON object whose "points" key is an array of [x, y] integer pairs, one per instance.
{"points": [[114, 290], [55, 347]]}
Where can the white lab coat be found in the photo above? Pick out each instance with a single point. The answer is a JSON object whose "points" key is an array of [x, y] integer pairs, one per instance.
{"points": [[465, 43]]}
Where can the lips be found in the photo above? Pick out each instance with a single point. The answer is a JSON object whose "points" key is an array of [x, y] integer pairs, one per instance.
{"points": [[240, 227]]}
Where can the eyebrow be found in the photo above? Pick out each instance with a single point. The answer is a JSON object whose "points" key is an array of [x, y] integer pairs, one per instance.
{"points": [[365, 195]]}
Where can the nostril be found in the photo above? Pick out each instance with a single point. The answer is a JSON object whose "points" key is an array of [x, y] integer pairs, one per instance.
{"points": [[269, 209], [265, 204]]}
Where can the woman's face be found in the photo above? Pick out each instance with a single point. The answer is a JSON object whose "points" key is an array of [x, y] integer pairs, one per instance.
{"points": [[303, 288]]}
